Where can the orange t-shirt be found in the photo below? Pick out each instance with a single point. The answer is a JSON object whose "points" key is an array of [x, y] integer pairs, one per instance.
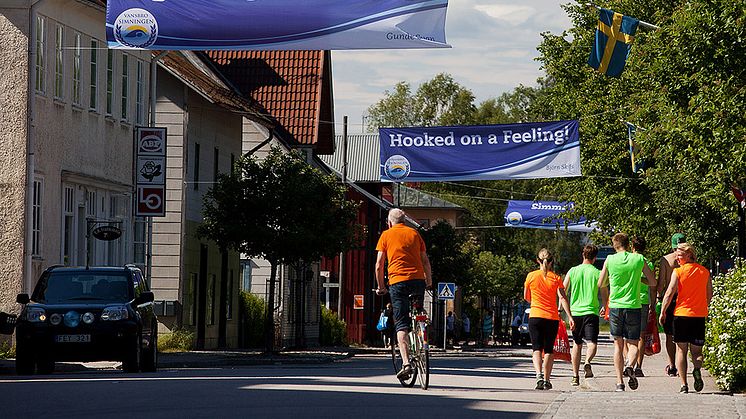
{"points": [[403, 248], [543, 293], [692, 299]]}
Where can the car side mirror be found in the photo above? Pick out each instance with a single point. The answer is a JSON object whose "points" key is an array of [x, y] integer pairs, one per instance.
{"points": [[23, 299], [146, 297]]}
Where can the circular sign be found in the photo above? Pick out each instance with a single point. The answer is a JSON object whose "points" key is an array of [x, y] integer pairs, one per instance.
{"points": [[107, 233], [136, 28], [396, 167], [515, 218]]}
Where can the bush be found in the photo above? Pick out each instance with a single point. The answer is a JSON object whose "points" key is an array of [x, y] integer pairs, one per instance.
{"points": [[7, 350], [180, 340], [253, 309], [333, 331], [725, 343]]}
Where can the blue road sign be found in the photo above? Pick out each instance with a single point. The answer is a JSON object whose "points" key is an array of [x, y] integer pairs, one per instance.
{"points": [[446, 290]]}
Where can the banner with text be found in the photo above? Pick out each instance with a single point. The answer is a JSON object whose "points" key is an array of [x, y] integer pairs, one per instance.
{"points": [[485, 152], [543, 214], [276, 24]]}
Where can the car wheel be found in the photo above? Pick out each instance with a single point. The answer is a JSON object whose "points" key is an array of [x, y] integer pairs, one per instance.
{"points": [[44, 364], [131, 362], [150, 357], [24, 361]]}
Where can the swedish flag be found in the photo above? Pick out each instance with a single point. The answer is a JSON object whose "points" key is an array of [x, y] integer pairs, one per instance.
{"points": [[614, 37]]}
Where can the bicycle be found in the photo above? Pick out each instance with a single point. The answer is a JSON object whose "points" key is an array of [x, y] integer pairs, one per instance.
{"points": [[419, 350]]}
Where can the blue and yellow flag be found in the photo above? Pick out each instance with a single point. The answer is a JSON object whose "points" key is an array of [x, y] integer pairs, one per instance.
{"points": [[614, 37]]}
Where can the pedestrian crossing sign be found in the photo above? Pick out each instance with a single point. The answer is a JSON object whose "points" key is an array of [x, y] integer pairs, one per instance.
{"points": [[446, 290]]}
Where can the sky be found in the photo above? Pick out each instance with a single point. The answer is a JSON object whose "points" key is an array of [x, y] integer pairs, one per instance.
{"points": [[493, 50]]}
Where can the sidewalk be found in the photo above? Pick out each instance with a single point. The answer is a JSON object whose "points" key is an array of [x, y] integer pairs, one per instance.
{"points": [[657, 397]]}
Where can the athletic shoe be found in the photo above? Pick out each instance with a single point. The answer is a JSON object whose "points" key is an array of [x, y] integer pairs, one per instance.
{"points": [[575, 381], [630, 373], [671, 371], [405, 372], [539, 384], [698, 383], [620, 387], [588, 371], [547, 385], [639, 373], [684, 389]]}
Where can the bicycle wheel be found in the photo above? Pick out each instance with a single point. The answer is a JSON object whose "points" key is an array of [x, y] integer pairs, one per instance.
{"points": [[422, 356], [397, 361]]}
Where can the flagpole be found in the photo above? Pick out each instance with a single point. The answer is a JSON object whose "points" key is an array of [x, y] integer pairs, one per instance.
{"points": [[644, 24]]}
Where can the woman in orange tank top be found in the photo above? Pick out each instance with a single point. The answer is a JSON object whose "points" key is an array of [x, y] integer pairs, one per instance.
{"points": [[541, 289], [693, 284]]}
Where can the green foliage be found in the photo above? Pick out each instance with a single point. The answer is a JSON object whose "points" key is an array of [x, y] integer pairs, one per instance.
{"points": [[253, 311], [448, 255], [7, 350], [179, 340], [498, 275], [725, 343], [333, 331]]}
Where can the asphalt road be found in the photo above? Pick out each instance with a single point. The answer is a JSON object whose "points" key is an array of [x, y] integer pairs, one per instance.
{"points": [[360, 387]]}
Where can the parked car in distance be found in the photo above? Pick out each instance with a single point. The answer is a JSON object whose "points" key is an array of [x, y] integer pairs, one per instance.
{"points": [[87, 314], [525, 338]]}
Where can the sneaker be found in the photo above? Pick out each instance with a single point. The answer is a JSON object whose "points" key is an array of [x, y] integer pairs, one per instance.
{"points": [[684, 389], [698, 383], [630, 373], [547, 385], [619, 387], [639, 373], [539, 384], [405, 372], [575, 381], [671, 371], [588, 371]]}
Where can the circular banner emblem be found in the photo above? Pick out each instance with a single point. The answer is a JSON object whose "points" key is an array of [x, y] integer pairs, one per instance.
{"points": [[515, 218], [136, 28], [396, 167]]}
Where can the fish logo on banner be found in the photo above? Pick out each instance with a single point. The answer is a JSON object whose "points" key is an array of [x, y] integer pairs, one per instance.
{"points": [[515, 218], [136, 28], [397, 167]]}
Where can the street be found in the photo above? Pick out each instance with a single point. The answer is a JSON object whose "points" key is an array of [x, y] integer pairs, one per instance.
{"points": [[490, 383]]}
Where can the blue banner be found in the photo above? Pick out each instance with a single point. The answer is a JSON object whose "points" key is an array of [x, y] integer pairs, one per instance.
{"points": [[488, 152], [543, 214], [276, 24]]}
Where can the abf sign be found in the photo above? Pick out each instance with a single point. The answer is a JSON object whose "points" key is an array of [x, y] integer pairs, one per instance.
{"points": [[446, 290], [151, 172], [358, 302]]}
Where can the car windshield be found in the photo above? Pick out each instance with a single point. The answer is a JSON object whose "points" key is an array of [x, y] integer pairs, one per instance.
{"points": [[62, 287]]}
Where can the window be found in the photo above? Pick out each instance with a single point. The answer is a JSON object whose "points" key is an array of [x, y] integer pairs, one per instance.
{"points": [[93, 102], [69, 226], [229, 297], [76, 70], [246, 275], [210, 314], [215, 161], [140, 95], [189, 316], [36, 219], [140, 240], [59, 63], [109, 81], [91, 207], [125, 86], [195, 176], [41, 41]]}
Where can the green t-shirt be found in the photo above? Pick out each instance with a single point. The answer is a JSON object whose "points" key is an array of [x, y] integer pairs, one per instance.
{"points": [[644, 288], [583, 289], [624, 279]]}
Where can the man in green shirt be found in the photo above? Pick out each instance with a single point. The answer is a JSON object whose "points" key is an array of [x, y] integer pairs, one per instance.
{"points": [[581, 285], [621, 273]]}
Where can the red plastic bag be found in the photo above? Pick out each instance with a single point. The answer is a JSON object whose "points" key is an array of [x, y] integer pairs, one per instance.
{"points": [[652, 338], [562, 344]]}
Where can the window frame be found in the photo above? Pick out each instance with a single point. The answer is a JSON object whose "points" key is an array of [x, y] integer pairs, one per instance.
{"points": [[37, 217], [110, 88], [59, 62], [93, 79], [40, 61], [140, 94], [77, 69]]}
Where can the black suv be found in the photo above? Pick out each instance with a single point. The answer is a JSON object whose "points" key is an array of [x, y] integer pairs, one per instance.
{"points": [[87, 314]]}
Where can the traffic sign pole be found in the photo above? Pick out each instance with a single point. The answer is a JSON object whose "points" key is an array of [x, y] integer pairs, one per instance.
{"points": [[445, 325]]}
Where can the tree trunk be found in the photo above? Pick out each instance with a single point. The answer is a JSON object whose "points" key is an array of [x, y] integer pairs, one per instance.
{"points": [[269, 326]]}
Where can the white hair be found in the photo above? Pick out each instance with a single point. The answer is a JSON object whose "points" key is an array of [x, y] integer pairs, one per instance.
{"points": [[396, 216]]}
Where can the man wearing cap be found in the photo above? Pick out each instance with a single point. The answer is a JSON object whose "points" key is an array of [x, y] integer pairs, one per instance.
{"points": [[667, 265]]}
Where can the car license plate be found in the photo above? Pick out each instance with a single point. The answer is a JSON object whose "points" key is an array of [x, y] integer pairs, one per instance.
{"points": [[73, 338]]}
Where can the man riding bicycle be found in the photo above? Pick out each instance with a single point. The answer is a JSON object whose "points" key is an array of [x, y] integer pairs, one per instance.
{"points": [[408, 272]]}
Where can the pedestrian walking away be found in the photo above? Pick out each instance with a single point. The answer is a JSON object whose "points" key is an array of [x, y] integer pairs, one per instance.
{"points": [[514, 330], [581, 286], [619, 283], [408, 274], [541, 289], [450, 324], [693, 284], [466, 322], [647, 305], [487, 326], [666, 267]]}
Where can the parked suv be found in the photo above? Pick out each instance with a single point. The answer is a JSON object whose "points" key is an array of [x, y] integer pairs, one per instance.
{"points": [[87, 314]]}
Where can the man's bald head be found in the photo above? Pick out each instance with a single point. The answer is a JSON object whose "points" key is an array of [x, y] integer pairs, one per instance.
{"points": [[396, 216]]}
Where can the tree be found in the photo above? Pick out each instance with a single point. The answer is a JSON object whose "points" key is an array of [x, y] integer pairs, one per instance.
{"points": [[280, 209], [447, 252]]}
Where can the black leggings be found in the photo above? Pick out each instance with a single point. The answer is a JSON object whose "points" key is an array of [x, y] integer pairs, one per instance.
{"points": [[543, 333]]}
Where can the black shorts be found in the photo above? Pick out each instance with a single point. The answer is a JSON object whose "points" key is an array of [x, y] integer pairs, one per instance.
{"points": [[543, 332], [689, 330], [586, 327], [668, 324]]}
